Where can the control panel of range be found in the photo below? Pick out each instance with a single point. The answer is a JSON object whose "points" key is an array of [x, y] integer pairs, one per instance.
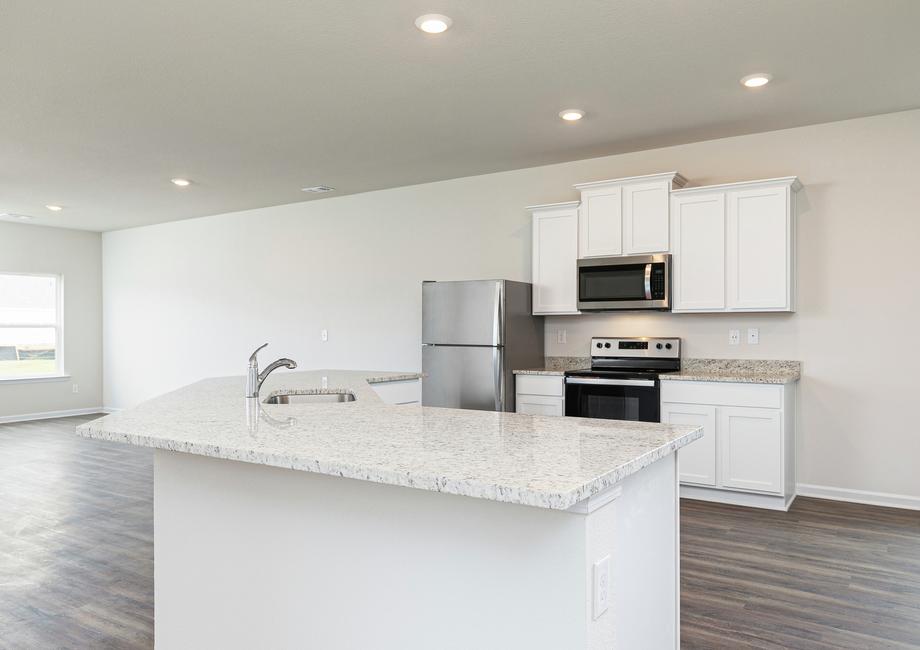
{"points": [[636, 347]]}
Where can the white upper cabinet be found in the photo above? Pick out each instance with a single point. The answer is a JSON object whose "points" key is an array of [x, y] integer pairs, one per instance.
{"points": [[555, 254], [759, 257], [734, 247], [625, 216], [600, 222], [698, 252]]}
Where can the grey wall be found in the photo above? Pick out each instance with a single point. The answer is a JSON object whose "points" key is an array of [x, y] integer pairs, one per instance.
{"points": [[77, 255], [190, 299]]}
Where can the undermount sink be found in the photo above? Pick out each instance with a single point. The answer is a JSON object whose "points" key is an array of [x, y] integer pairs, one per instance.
{"points": [[312, 398]]}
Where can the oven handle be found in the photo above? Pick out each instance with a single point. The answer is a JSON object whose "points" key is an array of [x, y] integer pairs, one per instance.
{"points": [[648, 281], [609, 382]]}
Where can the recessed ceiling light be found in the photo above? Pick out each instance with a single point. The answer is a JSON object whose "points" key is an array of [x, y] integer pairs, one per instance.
{"points": [[756, 80], [54, 208], [433, 23], [571, 114], [317, 189], [181, 182], [16, 217]]}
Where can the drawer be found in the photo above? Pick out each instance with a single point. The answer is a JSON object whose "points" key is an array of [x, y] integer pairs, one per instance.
{"points": [[540, 405], [552, 385], [399, 392], [722, 393]]}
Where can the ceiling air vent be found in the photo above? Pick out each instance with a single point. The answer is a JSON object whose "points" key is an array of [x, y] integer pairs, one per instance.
{"points": [[318, 189]]}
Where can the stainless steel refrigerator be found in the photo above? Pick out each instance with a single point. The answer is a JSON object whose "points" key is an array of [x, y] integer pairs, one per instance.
{"points": [[474, 334]]}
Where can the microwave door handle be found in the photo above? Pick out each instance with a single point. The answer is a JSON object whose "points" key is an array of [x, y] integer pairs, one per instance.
{"points": [[609, 382], [648, 281]]}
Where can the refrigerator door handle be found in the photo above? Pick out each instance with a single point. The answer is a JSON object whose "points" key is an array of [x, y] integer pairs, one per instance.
{"points": [[499, 383]]}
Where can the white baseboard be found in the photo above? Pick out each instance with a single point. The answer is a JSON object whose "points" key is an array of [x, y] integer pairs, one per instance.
{"points": [[110, 409], [859, 496], [48, 415], [731, 497]]}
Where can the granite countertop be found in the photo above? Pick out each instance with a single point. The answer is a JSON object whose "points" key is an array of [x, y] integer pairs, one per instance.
{"points": [[557, 366], [748, 371], [547, 462]]}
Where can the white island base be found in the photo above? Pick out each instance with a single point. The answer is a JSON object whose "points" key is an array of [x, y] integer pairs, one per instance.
{"points": [[251, 556]]}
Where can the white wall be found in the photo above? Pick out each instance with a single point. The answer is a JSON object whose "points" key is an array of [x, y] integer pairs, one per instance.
{"points": [[76, 255], [189, 299]]}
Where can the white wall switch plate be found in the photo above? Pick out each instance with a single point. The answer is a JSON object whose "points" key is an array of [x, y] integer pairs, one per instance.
{"points": [[76, 388], [561, 336], [601, 586], [324, 335], [734, 337], [753, 336], [325, 383]]}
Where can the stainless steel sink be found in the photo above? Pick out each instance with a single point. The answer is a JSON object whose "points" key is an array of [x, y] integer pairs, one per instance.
{"points": [[324, 398]]}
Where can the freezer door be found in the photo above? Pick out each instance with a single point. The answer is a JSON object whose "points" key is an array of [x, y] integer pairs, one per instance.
{"points": [[462, 313], [462, 377]]}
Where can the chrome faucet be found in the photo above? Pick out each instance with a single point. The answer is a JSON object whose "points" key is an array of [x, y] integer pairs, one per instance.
{"points": [[255, 378]]}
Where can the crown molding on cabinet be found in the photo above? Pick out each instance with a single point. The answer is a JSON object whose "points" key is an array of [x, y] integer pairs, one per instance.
{"points": [[553, 206], [677, 181], [792, 181]]}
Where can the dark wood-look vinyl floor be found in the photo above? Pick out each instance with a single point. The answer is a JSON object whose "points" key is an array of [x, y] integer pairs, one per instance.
{"points": [[76, 539], [76, 559]]}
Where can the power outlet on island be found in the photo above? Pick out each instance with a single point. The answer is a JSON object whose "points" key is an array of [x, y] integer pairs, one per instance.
{"points": [[601, 586], [734, 337]]}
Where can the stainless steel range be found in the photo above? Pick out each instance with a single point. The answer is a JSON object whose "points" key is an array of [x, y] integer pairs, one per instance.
{"points": [[622, 383]]}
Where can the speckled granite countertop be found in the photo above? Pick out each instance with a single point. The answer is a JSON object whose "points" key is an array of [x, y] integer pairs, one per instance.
{"points": [[548, 462], [748, 371], [557, 366]]}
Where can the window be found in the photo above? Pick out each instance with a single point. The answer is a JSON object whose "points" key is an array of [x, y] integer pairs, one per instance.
{"points": [[30, 326]]}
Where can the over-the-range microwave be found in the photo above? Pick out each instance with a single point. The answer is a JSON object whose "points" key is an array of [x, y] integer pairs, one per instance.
{"points": [[628, 283]]}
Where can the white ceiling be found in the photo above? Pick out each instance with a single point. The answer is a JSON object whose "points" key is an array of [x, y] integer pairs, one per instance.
{"points": [[104, 101]]}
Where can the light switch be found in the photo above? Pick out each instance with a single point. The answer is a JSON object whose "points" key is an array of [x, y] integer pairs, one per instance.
{"points": [[324, 335], [753, 336], [561, 336]]}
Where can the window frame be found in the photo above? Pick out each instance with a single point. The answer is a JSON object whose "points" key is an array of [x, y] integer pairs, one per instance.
{"points": [[58, 372]]}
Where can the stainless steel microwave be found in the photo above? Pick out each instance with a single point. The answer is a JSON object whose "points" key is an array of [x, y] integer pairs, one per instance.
{"points": [[628, 283]]}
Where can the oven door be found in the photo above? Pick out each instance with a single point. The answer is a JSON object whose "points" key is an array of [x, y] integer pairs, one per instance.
{"points": [[634, 282], [613, 399]]}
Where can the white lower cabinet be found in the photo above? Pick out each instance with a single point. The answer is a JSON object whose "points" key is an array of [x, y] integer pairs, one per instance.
{"points": [[539, 394], [752, 448], [746, 454], [698, 459]]}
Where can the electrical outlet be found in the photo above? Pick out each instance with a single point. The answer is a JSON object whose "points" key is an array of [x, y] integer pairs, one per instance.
{"points": [[324, 335], [325, 382], [561, 336], [734, 337], [753, 336], [601, 586], [76, 388]]}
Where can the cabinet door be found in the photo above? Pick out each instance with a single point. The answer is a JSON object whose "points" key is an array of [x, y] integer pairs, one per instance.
{"points": [[645, 217], [758, 249], [555, 254], [751, 442], [539, 405], [697, 461], [698, 252], [600, 222]]}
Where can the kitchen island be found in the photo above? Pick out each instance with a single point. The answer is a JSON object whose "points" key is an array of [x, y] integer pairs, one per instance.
{"points": [[359, 524]]}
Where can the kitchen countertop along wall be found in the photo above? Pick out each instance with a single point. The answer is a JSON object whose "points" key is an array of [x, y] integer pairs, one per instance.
{"points": [[749, 371]]}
